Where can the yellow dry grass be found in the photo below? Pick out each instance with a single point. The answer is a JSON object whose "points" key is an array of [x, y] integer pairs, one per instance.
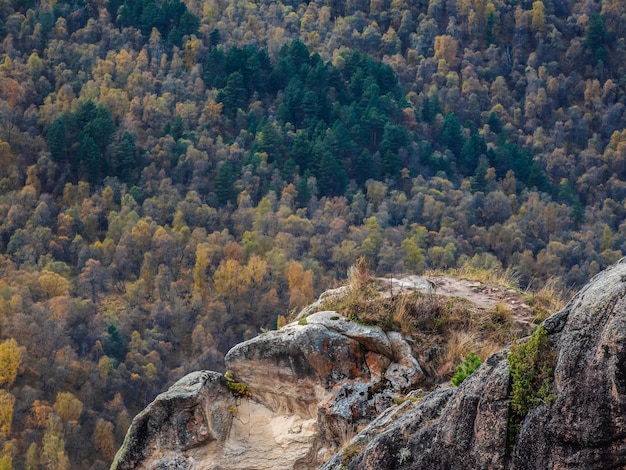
{"points": [[547, 300], [496, 277], [458, 345], [443, 330]]}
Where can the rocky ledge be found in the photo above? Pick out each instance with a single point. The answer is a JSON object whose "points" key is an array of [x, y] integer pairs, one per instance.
{"points": [[581, 425], [316, 381]]}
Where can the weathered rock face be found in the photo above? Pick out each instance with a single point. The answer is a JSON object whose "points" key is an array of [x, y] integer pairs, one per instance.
{"points": [[312, 384], [586, 425], [193, 412], [466, 427]]}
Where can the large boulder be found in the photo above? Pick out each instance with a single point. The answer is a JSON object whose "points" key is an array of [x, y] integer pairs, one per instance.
{"points": [[312, 383], [316, 381], [466, 427]]}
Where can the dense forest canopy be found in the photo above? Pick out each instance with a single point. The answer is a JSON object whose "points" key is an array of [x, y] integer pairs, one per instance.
{"points": [[175, 175]]}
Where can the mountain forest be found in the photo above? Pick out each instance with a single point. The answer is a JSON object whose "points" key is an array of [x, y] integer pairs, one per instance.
{"points": [[174, 175]]}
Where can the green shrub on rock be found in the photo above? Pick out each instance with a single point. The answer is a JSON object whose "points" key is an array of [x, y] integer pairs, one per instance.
{"points": [[464, 370], [532, 377]]}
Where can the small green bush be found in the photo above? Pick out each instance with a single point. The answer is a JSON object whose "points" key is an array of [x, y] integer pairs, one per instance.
{"points": [[464, 370], [303, 321], [532, 377]]}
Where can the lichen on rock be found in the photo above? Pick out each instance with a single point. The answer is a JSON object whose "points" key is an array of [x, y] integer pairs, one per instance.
{"points": [[582, 426]]}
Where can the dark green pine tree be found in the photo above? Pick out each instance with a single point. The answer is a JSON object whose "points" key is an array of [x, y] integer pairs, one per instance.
{"points": [[394, 138], [86, 113], [567, 194], [215, 37], [596, 36], [124, 162], [521, 161], [299, 55], [113, 6], [125, 16], [270, 141], [331, 176], [175, 37], [391, 164], [491, 23], [101, 129], [225, 184], [472, 149], [233, 95], [479, 180], [451, 135], [175, 128], [291, 109], [310, 107], [188, 23], [301, 149], [152, 17], [430, 108], [537, 178], [304, 192], [90, 159], [371, 128], [215, 69], [114, 345], [494, 123], [365, 167], [57, 141]]}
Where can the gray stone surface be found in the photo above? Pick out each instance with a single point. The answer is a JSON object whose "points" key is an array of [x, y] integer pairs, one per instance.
{"points": [[314, 384], [405, 372], [371, 337], [330, 294], [466, 427], [193, 412]]}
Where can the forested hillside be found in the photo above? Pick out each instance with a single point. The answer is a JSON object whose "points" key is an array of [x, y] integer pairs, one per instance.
{"points": [[175, 175]]}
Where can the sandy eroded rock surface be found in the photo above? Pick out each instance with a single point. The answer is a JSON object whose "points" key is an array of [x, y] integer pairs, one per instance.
{"points": [[312, 385]]}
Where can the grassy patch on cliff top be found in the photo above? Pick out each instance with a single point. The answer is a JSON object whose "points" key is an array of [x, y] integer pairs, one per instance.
{"points": [[445, 329]]}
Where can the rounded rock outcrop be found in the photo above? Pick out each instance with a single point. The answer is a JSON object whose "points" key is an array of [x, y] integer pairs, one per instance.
{"points": [[289, 400]]}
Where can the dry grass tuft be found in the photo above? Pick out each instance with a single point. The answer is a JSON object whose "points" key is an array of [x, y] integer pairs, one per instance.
{"points": [[281, 321], [546, 301], [498, 325], [458, 345], [349, 449], [487, 349], [497, 277], [359, 275], [442, 330], [502, 313], [403, 314]]}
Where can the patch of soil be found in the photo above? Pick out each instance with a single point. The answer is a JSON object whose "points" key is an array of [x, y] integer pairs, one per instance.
{"points": [[483, 296]]}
